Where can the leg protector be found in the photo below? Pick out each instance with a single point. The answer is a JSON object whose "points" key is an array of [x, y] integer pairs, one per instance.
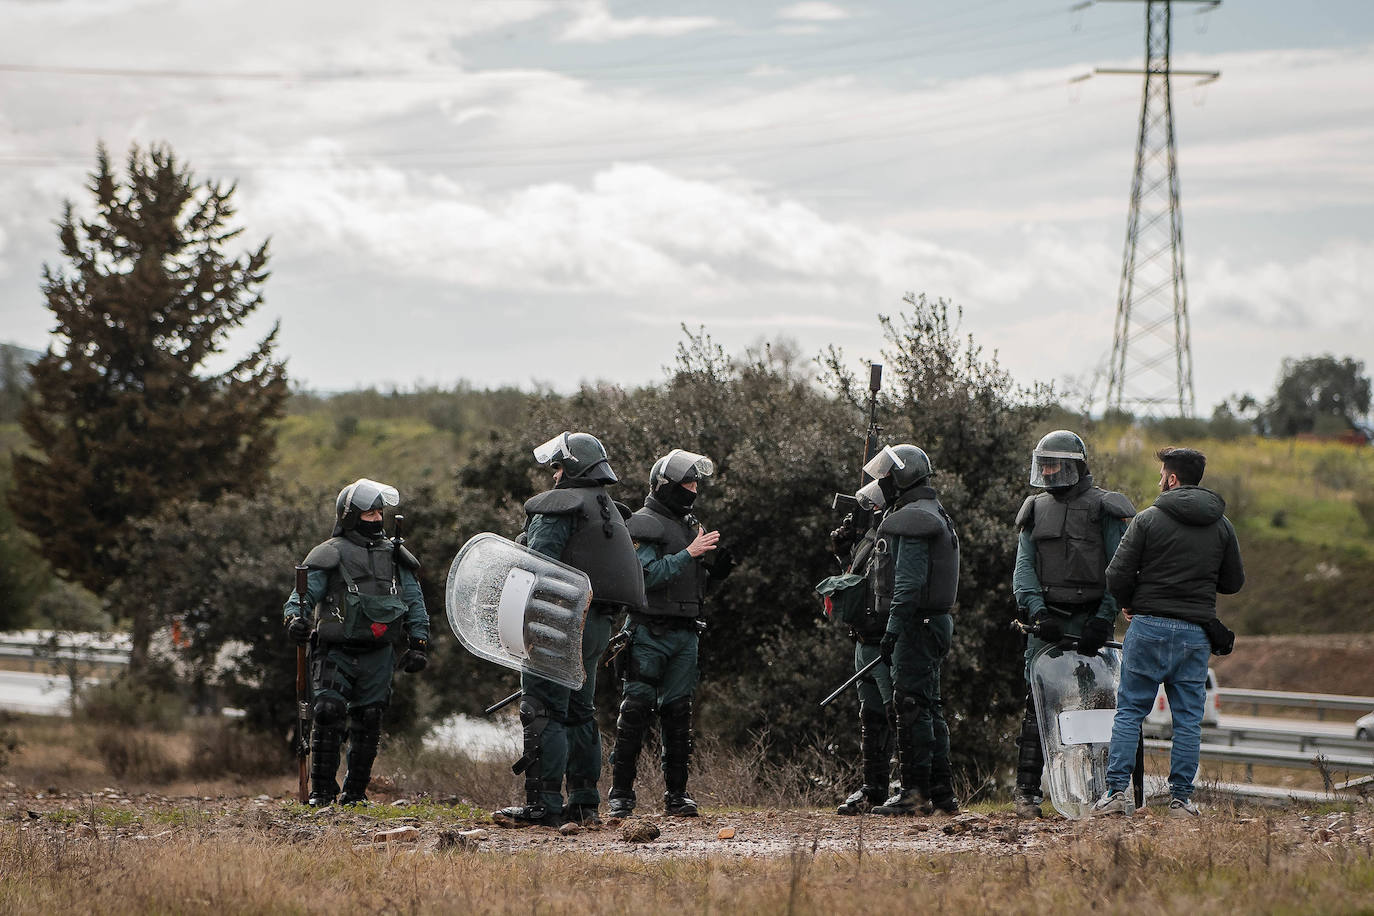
{"points": [[675, 719], [908, 708], [875, 739], [364, 734], [534, 718], [325, 737], [1030, 759], [636, 714]]}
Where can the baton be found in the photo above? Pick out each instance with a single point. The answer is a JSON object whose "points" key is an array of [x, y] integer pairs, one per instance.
{"points": [[302, 700], [1034, 630], [851, 682], [502, 704]]}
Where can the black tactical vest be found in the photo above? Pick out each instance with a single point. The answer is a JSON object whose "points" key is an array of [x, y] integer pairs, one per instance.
{"points": [[1070, 556], [600, 543], [680, 596], [919, 516]]}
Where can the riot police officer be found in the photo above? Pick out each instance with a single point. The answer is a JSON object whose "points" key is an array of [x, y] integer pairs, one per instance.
{"points": [[850, 599], [1067, 534], [914, 576], [579, 524], [661, 669], [363, 603]]}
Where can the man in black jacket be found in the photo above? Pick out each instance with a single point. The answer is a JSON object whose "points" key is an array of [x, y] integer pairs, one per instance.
{"points": [[1174, 559]]}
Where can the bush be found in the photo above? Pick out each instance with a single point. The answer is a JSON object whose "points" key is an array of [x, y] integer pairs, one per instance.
{"points": [[135, 756], [129, 702], [226, 748]]}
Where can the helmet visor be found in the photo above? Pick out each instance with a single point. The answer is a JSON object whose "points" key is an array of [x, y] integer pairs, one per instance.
{"points": [[870, 496], [369, 494], [1053, 470], [556, 449], [882, 464], [682, 466]]}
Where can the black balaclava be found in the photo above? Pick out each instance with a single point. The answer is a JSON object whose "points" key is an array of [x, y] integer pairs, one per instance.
{"points": [[369, 529], [675, 497]]}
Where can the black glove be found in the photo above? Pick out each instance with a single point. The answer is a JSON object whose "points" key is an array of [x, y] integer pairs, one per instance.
{"points": [[1048, 626], [721, 564], [297, 628], [1222, 637], [886, 646], [415, 660], [843, 537], [1096, 632]]}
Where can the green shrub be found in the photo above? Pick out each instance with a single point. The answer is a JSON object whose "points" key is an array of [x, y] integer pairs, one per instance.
{"points": [[127, 702], [134, 756]]}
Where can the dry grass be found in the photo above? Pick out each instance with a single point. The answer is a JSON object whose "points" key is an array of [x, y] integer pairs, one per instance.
{"points": [[1222, 865]]}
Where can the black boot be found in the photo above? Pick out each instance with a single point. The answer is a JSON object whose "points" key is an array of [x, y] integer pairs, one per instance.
{"points": [[914, 797], [875, 740], [326, 735], [630, 727], [364, 734], [534, 718], [1030, 764], [675, 719]]}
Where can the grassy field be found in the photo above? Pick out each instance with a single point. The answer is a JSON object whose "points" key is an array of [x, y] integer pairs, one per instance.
{"points": [[272, 859]]}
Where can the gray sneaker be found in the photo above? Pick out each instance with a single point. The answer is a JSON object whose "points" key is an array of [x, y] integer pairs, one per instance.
{"points": [[1184, 808], [1119, 802]]}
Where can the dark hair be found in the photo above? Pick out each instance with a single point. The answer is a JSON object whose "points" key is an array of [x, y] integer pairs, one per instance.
{"points": [[1187, 464]]}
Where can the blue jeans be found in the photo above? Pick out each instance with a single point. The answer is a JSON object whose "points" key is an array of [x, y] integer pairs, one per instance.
{"points": [[1160, 650]]}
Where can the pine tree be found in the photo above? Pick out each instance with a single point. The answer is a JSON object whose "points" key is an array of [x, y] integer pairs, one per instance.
{"points": [[123, 417]]}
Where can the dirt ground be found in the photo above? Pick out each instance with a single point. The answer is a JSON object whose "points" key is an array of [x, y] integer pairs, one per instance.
{"points": [[150, 818]]}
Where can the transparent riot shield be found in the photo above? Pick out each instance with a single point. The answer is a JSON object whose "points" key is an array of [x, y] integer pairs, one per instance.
{"points": [[518, 608], [1075, 701]]}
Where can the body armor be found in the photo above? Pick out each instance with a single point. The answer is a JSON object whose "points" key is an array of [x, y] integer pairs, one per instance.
{"points": [[369, 566], [1070, 556], [682, 595], [917, 515], [600, 543]]}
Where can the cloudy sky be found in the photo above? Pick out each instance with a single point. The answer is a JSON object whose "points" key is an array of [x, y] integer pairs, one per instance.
{"points": [[543, 191]]}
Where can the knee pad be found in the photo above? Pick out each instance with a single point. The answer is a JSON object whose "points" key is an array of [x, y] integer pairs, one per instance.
{"points": [[366, 719], [676, 710], [330, 712], [636, 711], [534, 717], [908, 707], [871, 717]]}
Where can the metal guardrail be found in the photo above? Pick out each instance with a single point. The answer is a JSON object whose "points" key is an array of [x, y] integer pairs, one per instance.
{"points": [[1318, 701], [1255, 756], [43, 651], [1241, 734]]}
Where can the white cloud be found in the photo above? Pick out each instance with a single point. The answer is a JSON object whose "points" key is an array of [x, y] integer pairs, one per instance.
{"points": [[814, 11], [594, 22]]}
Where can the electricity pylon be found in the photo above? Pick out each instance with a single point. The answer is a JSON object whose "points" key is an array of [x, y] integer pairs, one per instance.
{"points": [[1152, 364]]}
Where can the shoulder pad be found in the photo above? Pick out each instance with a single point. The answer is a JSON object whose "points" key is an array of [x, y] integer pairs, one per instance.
{"points": [[407, 559], [913, 523], [324, 556], [1116, 505], [624, 510], [645, 526], [1025, 516], [554, 502]]}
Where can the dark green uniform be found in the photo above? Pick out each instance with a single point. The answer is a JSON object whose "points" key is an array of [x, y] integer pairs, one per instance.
{"points": [[1066, 539], [579, 524], [366, 603], [661, 672], [915, 577]]}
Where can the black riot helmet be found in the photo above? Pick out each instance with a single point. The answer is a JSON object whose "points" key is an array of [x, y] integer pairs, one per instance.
{"points": [[362, 495], [895, 469], [580, 455], [670, 473], [1059, 460]]}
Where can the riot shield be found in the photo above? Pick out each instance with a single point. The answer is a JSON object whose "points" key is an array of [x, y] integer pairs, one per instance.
{"points": [[1075, 701], [518, 608]]}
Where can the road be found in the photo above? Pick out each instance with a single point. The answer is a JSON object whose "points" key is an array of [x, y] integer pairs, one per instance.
{"points": [[35, 692]]}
